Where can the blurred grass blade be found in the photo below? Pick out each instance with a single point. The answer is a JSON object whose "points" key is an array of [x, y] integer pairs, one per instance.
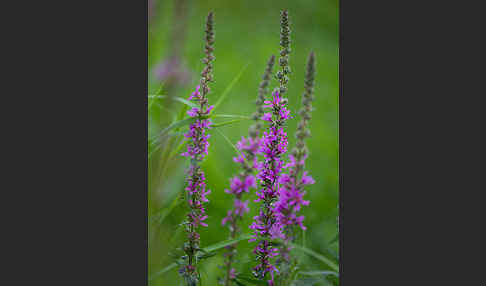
{"points": [[229, 88], [225, 123], [336, 238], [319, 272], [153, 143], [230, 116], [185, 101], [229, 141], [225, 243], [182, 112], [174, 125], [252, 280], [169, 267], [162, 214], [318, 256], [303, 238], [178, 149], [238, 283], [160, 89], [232, 145], [150, 102], [176, 98], [325, 276], [206, 250], [308, 281], [155, 149]]}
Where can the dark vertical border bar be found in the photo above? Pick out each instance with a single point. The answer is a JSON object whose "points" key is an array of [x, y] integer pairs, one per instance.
{"points": [[81, 134], [340, 126]]}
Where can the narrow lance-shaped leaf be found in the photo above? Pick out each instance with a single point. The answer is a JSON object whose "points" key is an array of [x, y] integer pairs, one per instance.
{"points": [[204, 251], [231, 144], [225, 243], [225, 123], [335, 239], [318, 256], [230, 116], [178, 150], [252, 280], [162, 214], [167, 268], [229, 88], [176, 98]]}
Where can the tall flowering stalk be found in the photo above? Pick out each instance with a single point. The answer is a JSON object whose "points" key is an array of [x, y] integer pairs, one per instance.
{"points": [[292, 190], [197, 149], [273, 146], [241, 183]]}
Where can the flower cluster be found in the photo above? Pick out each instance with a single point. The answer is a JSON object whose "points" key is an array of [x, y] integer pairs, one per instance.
{"points": [[291, 193], [291, 197], [247, 158], [273, 146], [197, 149]]}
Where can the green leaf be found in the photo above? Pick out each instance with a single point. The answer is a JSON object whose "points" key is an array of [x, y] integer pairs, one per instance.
{"points": [[336, 238], [308, 281], [324, 274], [252, 280], [162, 214], [225, 243], [230, 116], [160, 89], [231, 144], [229, 88], [155, 142], [174, 125], [238, 282], [150, 102], [319, 272], [177, 150], [169, 267], [206, 255], [176, 98], [207, 252], [225, 123], [318, 256]]}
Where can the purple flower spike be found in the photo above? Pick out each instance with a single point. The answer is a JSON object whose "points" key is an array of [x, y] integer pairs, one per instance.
{"points": [[274, 144], [266, 225], [292, 191], [197, 149], [240, 184]]}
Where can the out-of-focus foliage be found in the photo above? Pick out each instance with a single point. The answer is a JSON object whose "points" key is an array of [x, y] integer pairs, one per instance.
{"points": [[247, 33]]}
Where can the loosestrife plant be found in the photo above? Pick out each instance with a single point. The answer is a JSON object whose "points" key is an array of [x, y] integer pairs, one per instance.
{"points": [[197, 149], [292, 183], [273, 146], [279, 186], [241, 183]]}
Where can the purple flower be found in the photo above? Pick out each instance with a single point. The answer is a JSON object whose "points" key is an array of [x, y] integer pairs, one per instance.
{"points": [[227, 218], [267, 117], [237, 185], [241, 207], [196, 94], [193, 112], [266, 225], [197, 149], [292, 192], [172, 70], [247, 158]]}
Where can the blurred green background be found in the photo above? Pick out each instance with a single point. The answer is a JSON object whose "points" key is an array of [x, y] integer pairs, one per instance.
{"points": [[247, 33]]}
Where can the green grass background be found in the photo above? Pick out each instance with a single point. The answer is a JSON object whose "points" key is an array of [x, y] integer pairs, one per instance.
{"points": [[247, 33]]}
